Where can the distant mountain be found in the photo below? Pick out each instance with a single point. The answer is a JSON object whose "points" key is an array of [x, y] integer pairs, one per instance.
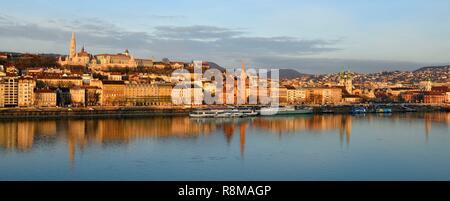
{"points": [[216, 66], [289, 74], [433, 68]]}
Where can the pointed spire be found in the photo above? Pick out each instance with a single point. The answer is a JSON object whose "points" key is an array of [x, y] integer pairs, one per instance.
{"points": [[73, 46]]}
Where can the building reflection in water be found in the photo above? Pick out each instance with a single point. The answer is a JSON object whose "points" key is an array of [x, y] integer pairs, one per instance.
{"points": [[78, 133]]}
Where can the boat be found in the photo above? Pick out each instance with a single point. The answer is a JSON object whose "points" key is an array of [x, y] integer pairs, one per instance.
{"points": [[285, 111], [249, 112], [383, 110], [358, 110], [408, 109], [226, 113], [205, 113]]}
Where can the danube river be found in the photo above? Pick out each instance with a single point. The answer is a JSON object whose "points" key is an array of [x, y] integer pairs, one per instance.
{"points": [[410, 146]]}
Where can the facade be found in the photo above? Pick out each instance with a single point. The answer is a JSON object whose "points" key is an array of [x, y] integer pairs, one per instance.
{"points": [[115, 76], [120, 60], [190, 94], [144, 63], [45, 98], [2, 94], [447, 97], [296, 95], [323, 96], [11, 89], [411, 96], [61, 81], [26, 87], [146, 94], [434, 98], [113, 93], [77, 96], [93, 95]]}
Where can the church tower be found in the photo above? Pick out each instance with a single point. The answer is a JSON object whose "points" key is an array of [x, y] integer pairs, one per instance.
{"points": [[73, 47], [346, 80]]}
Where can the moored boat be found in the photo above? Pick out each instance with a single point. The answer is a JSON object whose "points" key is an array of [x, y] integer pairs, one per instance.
{"points": [[285, 111]]}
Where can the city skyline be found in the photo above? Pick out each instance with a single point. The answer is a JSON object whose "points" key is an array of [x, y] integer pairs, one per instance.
{"points": [[311, 37]]}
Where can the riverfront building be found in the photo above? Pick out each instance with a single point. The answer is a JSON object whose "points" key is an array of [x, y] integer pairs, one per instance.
{"points": [[26, 87], [45, 98]]}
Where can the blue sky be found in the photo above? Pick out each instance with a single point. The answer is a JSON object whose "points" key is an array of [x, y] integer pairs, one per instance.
{"points": [[311, 36]]}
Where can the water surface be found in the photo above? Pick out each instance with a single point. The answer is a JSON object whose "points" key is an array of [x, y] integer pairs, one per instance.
{"points": [[414, 146]]}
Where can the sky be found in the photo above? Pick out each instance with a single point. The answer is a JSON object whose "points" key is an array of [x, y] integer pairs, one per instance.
{"points": [[311, 36]]}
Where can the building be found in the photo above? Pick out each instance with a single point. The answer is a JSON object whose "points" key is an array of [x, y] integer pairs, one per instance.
{"points": [[323, 95], [160, 65], [106, 61], [98, 62], [115, 76], [346, 80], [447, 97], [144, 63], [296, 95], [352, 99], [45, 98], [147, 94], [93, 95], [176, 65], [63, 97], [189, 94], [412, 97], [26, 87], [434, 98], [77, 96], [113, 93], [82, 58], [2, 94], [58, 80], [11, 89]]}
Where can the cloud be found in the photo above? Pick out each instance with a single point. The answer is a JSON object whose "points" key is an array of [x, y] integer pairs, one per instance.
{"points": [[196, 32], [328, 65], [225, 46]]}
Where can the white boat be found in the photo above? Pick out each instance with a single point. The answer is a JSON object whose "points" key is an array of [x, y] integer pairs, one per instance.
{"points": [[223, 115], [285, 111], [227, 113], [205, 113], [248, 112]]}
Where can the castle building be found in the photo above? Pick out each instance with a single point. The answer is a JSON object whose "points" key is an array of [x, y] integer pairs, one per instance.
{"points": [[81, 58], [101, 61]]}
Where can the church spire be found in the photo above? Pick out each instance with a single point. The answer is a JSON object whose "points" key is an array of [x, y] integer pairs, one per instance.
{"points": [[73, 46]]}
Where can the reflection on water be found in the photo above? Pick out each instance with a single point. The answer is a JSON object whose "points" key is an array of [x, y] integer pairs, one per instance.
{"points": [[23, 136]]}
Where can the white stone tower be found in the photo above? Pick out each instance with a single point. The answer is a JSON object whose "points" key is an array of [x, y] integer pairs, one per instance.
{"points": [[73, 47]]}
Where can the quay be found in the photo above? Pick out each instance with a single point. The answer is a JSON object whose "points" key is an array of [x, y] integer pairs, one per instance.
{"points": [[79, 112]]}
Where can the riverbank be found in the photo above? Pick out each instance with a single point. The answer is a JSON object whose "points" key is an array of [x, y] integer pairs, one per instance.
{"points": [[45, 113]]}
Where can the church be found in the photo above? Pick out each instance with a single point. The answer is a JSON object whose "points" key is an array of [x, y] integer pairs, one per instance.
{"points": [[97, 62]]}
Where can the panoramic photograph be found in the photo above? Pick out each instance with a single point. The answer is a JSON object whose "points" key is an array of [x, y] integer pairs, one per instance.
{"points": [[224, 99]]}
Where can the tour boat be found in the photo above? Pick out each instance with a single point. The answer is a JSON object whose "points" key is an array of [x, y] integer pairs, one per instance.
{"points": [[285, 111], [226, 113], [205, 113]]}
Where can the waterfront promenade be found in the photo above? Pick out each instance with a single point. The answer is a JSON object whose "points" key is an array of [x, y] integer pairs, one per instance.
{"points": [[101, 111]]}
